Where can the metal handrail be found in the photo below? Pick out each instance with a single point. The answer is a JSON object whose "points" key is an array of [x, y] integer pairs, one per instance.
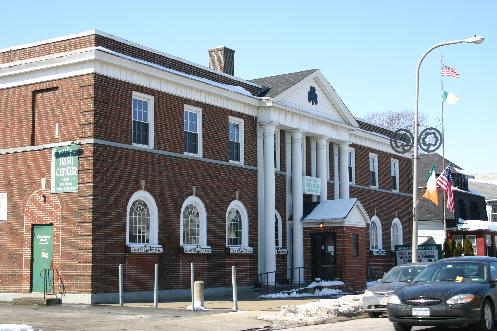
{"points": [[266, 274]]}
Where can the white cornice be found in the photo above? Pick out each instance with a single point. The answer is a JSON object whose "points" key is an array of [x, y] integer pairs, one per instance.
{"points": [[127, 42], [374, 141]]}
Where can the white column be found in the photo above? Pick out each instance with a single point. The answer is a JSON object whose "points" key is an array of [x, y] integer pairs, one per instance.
{"points": [[260, 200], [298, 231], [289, 209], [336, 178], [313, 164], [322, 170], [344, 171], [269, 202]]}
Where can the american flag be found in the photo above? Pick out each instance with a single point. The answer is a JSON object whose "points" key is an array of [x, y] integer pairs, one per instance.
{"points": [[444, 181], [448, 71]]}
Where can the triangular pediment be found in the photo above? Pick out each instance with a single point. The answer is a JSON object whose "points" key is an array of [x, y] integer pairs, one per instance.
{"points": [[315, 95], [338, 212]]}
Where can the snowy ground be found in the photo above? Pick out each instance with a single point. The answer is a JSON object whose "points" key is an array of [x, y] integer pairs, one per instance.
{"points": [[15, 327], [321, 311]]}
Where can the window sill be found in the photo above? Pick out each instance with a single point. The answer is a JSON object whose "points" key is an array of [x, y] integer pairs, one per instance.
{"points": [[239, 250], [236, 162], [143, 146], [196, 249], [145, 249], [281, 251], [193, 154]]}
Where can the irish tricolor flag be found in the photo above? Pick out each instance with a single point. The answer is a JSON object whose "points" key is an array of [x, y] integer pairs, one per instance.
{"points": [[431, 188]]}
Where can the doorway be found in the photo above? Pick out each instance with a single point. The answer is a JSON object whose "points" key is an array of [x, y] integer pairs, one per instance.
{"points": [[324, 255], [41, 258]]}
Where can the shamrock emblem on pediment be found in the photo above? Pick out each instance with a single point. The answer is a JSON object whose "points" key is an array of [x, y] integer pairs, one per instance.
{"points": [[312, 96]]}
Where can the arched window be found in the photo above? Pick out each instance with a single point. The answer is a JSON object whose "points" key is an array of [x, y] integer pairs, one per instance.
{"points": [[193, 222], [375, 240], [277, 230], [236, 224], [396, 233], [141, 220]]}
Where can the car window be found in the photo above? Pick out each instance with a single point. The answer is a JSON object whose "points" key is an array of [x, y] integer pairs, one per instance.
{"points": [[409, 273], [392, 275], [493, 270], [467, 271]]}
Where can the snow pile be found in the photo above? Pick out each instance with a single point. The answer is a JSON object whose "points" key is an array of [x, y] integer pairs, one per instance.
{"points": [[324, 283], [324, 310], [294, 294], [15, 327]]}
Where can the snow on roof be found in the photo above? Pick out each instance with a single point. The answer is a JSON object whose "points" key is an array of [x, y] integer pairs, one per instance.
{"points": [[473, 225], [331, 210]]}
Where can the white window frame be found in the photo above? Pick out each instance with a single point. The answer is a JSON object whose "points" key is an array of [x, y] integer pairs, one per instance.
{"points": [[277, 149], [379, 238], [493, 213], [472, 238], [189, 108], [241, 135], [396, 162], [154, 223], [238, 205], [202, 218], [400, 236], [279, 229], [374, 157], [352, 164], [150, 100]]}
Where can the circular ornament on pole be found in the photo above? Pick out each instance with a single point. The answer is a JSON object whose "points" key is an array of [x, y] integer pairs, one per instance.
{"points": [[430, 140], [402, 141]]}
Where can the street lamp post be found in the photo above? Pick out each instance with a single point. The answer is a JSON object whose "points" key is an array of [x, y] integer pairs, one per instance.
{"points": [[471, 40]]}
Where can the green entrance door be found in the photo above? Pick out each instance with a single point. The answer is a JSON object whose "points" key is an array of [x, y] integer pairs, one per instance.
{"points": [[42, 257]]}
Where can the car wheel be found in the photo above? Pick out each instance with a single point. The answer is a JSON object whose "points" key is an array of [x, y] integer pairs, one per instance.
{"points": [[487, 316], [374, 314], [402, 327]]}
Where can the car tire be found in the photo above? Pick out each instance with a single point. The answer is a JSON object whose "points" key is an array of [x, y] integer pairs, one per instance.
{"points": [[374, 314], [487, 318], [402, 327]]}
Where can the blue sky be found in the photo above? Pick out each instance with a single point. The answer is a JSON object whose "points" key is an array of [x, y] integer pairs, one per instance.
{"points": [[368, 50]]}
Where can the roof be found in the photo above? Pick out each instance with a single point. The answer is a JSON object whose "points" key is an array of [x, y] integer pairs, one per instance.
{"points": [[488, 190], [343, 212], [370, 127], [280, 83]]}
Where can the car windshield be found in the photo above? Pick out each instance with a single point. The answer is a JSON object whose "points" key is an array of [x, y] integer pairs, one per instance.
{"points": [[467, 271], [402, 274]]}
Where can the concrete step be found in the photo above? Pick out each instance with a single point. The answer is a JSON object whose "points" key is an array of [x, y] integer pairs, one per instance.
{"points": [[49, 300]]}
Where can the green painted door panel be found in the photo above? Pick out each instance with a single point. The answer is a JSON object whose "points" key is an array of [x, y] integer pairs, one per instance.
{"points": [[42, 257]]}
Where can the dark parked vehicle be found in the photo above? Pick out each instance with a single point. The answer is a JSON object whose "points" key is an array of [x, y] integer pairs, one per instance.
{"points": [[374, 300], [451, 292]]}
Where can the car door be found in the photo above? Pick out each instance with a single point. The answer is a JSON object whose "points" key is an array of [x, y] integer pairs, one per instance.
{"points": [[493, 278]]}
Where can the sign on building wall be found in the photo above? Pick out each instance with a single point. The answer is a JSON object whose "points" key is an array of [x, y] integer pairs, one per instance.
{"points": [[65, 169], [3, 207], [426, 253], [312, 185]]}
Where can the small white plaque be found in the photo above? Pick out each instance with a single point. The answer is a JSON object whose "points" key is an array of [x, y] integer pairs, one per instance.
{"points": [[312, 185], [3, 206]]}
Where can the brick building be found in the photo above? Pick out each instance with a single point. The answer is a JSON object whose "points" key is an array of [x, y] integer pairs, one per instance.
{"points": [[114, 153]]}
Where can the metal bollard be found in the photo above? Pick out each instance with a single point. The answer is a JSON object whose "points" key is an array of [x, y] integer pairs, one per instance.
{"points": [[121, 298], [192, 279], [199, 294], [235, 291], [156, 286]]}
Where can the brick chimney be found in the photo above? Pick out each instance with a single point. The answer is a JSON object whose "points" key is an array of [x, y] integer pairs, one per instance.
{"points": [[222, 59]]}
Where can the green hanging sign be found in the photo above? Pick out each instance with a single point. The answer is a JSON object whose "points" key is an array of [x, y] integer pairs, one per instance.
{"points": [[65, 169]]}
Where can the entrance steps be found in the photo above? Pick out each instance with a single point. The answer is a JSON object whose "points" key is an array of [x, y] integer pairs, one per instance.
{"points": [[49, 300]]}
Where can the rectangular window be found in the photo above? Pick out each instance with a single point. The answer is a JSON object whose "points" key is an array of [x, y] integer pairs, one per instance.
{"points": [[373, 170], [351, 165], [457, 239], [355, 245], [472, 240], [494, 213], [192, 125], [142, 119], [394, 173], [235, 140]]}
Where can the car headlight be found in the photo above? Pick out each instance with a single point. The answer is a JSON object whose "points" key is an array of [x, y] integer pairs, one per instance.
{"points": [[394, 300], [368, 293], [461, 298]]}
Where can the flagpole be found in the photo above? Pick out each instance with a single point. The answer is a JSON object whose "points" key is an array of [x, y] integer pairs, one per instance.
{"points": [[443, 150]]}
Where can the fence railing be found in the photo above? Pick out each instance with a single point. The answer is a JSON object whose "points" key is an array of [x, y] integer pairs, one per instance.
{"points": [[283, 283]]}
